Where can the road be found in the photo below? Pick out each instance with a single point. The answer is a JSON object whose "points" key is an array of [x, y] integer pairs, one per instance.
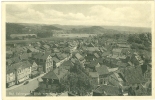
{"points": [[23, 90]]}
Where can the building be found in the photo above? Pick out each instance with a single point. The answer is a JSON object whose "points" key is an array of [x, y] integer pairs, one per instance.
{"points": [[34, 68], [132, 75], [10, 77], [55, 76], [80, 58], [117, 52], [107, 90], [136, 59], [115, 79], [21, 70], [92, 65], [103, 74], [45, 60], [52, 80], [94, 78]]}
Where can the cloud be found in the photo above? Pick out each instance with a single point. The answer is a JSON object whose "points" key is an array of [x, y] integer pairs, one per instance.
{"points": [[121, 15], [94, 15]]}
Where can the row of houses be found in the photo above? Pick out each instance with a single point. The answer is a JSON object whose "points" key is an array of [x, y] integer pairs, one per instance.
{"points": [[30, 62]]}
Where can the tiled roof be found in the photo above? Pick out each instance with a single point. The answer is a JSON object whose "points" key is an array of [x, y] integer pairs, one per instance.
{"points": [[93, 74], [121, 64], [102, 70], [13, 60], [133, 75], [118, 77], [112, 69], [105, 54], [33, 49], [59, 56], [78, 56], [96, 55], [55, 74], [41, 55], [123, 45], [19, 65], [24, 56], [117, 50], [67, 63], [64, 55], [108, 90], [46, 46], [55, 59], [93, 63], [93, 49]]}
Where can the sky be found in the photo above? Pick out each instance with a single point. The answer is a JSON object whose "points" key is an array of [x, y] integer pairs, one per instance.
{"points": [[136, 15]]}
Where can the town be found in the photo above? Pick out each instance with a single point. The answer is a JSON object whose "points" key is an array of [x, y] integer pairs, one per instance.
{"points": [[99, 65]]}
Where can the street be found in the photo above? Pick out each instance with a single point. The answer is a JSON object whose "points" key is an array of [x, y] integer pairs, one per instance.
{"points": [[22, 90]]}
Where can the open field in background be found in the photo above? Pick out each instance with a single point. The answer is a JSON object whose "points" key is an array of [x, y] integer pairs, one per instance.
{"points": [[39, 39]]}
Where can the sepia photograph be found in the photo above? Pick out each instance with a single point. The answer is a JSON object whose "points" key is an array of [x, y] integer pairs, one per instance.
{"points": [[77, 49]]}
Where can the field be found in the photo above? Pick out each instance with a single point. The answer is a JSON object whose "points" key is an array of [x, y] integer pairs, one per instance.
{"points": [[40, 39]]}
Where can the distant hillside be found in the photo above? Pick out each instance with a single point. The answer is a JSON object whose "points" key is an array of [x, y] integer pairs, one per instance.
{"points": [[130, 29], [18, 28], [106, 28], [43, 30], [89, 30]]}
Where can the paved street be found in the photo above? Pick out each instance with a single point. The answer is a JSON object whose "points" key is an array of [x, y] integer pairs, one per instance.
{"points": [[23, 90]]}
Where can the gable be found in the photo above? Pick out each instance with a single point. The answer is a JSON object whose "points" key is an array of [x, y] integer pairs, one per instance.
{"points": [[34, 64]]}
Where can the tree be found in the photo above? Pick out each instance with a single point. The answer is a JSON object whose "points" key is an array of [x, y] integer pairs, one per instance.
{"points": [[77, 83]]}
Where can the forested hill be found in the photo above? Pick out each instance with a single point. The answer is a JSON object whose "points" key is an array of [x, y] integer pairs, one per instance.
{"points": [[17, 28], [43, 30]]}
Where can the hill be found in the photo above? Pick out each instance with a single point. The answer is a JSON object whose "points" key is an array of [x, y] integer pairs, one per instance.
{"points": [[24, 28]]}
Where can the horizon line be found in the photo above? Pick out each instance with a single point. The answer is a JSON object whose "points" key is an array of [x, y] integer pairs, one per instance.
{"points": [[79, 25]]}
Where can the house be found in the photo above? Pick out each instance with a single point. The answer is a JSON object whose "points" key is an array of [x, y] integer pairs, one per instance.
{"points": [[123, 46], [92, 49], [12, 60], [80, 57], [46, 47], [117, 51], [89, 57], [94, 78], [105, 54], [55, 50], [132, 75], [52, 79], [34, 68], [22, 71], [138, 90], [55, 45], [136, 59], [9, 54], [92, 65], [10, 77], [147, 71], [112, 69], [121, 64], [90, 45], [67, 65], [31, 49], [107, 90], [73, 60], [115, 79], [56, 62], [125, 51], [102, 49], [96, 55], [55, 76], [103, 73], [45, 60], [25, 56]]}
